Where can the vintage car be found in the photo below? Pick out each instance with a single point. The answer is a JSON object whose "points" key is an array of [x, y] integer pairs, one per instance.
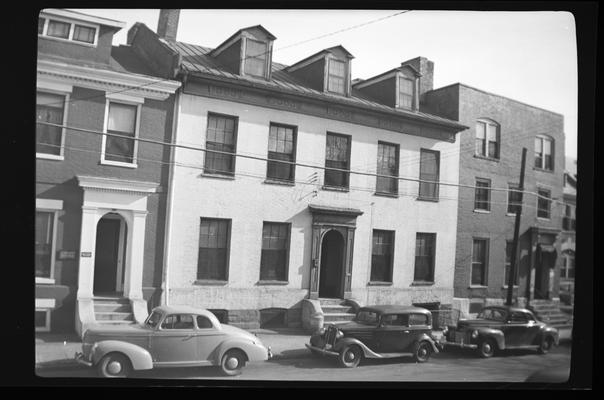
{"points": [[176, 336], [499, 328], [384, 331]]}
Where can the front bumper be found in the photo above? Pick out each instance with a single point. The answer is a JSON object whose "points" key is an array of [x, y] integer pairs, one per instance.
{"points": [[79, 358], [322, 351]]}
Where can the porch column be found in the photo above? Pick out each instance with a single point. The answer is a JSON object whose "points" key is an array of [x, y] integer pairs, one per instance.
{"points": [[87, 250], [133, 280]]}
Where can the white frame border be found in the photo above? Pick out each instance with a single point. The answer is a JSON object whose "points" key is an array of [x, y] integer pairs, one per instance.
{"points": [[127, 101], [72, 24], [52, 206], [62, 90]]}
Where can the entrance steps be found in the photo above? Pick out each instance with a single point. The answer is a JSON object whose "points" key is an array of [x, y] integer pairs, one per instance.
{"points": [[335, 311], [113, 310], [549, 312]]}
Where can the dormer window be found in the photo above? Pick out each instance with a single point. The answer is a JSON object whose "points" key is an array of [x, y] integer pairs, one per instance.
{"points": [[255, 58], [68, 30], [336, 81], [405, 92]]}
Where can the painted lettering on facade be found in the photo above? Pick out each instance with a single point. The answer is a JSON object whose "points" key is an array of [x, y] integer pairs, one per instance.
{"points": [[283, 103], [340, 113], [225, 92]]}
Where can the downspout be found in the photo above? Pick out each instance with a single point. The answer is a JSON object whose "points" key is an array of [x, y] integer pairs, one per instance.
{"points": [[167, 240]]}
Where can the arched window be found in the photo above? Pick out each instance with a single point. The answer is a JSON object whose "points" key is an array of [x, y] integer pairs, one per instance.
{"points": [[544, 152], [487, 142]]}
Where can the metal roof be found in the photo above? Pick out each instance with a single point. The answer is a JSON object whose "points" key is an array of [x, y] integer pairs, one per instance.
{"points": [[197, 61]]}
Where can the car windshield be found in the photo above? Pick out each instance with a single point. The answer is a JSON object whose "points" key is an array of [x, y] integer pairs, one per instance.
{"points": [[367, 317], [492, 314], [153, 319]]}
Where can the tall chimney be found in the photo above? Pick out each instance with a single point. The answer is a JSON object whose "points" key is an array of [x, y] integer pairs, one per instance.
{"points": [[426, 69], [167, 25]]}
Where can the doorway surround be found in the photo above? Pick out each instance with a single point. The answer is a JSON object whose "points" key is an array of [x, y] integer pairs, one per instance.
{"points": [[128, 199], [324, 220]]}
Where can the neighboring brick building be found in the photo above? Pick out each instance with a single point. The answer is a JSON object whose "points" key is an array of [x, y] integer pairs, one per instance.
{"points": [[568, 234], [490, 158], [100, 201], [256, 241]]}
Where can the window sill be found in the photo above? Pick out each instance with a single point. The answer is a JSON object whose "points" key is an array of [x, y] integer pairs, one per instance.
{"points": [[543, 219], [549, 171], [422, 283], [379, 283], [210, 282], [278, 182], [118, 164], [218, 176], [430, 199], [478, 287], [335, 189], [267, 283], [45, 281], [486, 158], [382, 194], [506, 286], [482, 211], [510, 214], [49, 157]]}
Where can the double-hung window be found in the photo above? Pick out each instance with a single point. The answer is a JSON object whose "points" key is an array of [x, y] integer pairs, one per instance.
{"points": [[514, 199], [482, 196], [255, 58], [44, 243], [67, 30], [275, 246], [281, 147], [544, 153], [429, 174], [568, 221], [509, 254], [336, 77], [487, 139], [337, 155], [544, 203], [381, 256], [221, 138], [425, 248], [50, 109], [405, 92], [58, 29], [122, 126], [480, 254], [214, 237], [387, 164]]}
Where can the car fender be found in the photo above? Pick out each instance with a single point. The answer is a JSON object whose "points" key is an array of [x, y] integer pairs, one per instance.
{"points": [[492, 333], [549, 331], [138, 356], [425, 338], [253, 352], [347, 341]]}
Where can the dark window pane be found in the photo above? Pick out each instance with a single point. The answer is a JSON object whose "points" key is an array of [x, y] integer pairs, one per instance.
{"points": [[514, 199], [381, 259], [337, 77], [255, 58], [281, 147], [221, 137], [49, 108], [543, 203], [40, 319], [405, 94], [425, 245], [58, 29], [84, 34], [43, 243], [387, 165], [479, 255], [213, 249], [482, 197], [337, 156], [122, 122], [428, 173], [273, 263]]}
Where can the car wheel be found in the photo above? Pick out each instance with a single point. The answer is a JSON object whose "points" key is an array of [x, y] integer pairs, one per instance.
{"points": [[546, 345], [350, 356], [486, 348], [422, 353], [232, 362], [114, 365]]}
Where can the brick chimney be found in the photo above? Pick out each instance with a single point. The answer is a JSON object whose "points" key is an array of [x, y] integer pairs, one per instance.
{"points": [[167, 25], [426, 69]]}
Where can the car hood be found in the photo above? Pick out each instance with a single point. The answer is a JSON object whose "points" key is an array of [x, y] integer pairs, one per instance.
{"points": [[353, 326]]}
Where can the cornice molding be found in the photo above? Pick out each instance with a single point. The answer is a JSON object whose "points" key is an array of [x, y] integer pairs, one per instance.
{"points": [[99, 184]]}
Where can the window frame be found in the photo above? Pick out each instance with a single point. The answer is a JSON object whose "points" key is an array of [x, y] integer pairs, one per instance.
{"points": [[66, 102], [72, 25], [343, 77], [397, 167], [543, 139], [549, 201], [400, 77], [432, 235], [346, 187], [288, 226], [46, 327], [513, 188], [484, 152], [569, 219], [48, 206], [227, 252], [193, 323], [485, 278], [266, 58], [134, 163], [230, 174], [437, 180], [390, 266], [488, 200], [294, 129]]}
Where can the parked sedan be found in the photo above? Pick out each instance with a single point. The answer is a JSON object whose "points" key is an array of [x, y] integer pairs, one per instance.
{"points": [[377, 332], [501, 328], [170, 337]]}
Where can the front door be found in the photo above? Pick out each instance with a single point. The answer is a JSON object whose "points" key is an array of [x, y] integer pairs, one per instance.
{"points": [[545, 264], [332, 263], [107, 256]]}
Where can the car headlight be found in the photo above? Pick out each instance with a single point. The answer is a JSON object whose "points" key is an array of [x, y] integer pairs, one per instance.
{"points": [[321, 331], [339, 334], [445, 330], [474, 334]]}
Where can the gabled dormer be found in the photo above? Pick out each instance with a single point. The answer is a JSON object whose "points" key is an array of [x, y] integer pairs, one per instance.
{"points": [[76, 35], [397, 88], [249, 52], [326, 71]]}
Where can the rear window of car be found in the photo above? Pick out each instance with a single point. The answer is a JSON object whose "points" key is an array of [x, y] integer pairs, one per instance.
{"points": [[418, 319], [203, 322], [178, 321], [395, 319], [367, 317]]}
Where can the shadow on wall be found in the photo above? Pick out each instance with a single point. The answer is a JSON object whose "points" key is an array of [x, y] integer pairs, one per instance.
{"points": [[302, 222]]}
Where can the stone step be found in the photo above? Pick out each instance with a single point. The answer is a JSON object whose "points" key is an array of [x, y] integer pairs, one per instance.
{"points": [[110, 300], [114, 316], [330, 302], [333, 317], [329, 309], [112, 307]]}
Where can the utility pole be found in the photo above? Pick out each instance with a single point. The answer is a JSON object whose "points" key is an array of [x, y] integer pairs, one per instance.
{"points": [[514, 260]]}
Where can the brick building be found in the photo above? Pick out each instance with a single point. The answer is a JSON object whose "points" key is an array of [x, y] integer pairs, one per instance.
{"points": [[100, 200], [259, 239], [490, 159]]}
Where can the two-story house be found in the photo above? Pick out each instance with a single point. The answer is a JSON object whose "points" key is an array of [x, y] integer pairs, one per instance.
{"points": [[291, 185], [100, 181]]}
